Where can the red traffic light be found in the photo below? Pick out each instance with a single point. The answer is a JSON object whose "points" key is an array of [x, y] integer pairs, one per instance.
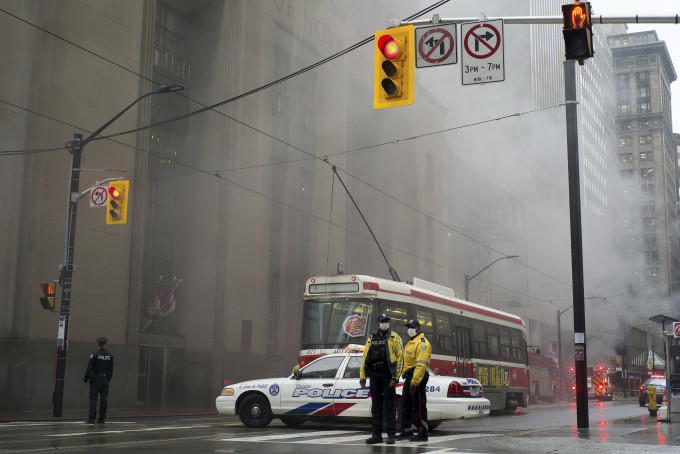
{"points": [[389, 47], [114, 192]]}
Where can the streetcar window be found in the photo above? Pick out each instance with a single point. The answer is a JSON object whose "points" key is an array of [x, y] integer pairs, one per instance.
{"points": [[479, 339], [492, 334], [329, 323], [444, 336], [506, 345], [426, 322], [516, 345], [398, 317]]}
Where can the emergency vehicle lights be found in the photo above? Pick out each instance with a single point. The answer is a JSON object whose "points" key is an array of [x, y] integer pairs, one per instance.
{"points": [[394, 67]]}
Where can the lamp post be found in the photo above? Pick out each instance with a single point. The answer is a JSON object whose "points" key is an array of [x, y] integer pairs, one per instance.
{"points": [[469, 278], [67, 268]]}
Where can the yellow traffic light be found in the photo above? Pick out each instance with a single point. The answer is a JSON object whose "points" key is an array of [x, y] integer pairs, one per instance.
{"points": [[394, 67], [116, 209], [577, 31], [49, 291]]}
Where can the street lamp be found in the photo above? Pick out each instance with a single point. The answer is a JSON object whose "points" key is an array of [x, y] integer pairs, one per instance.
{"points": [[67, 268], [469, 278]]}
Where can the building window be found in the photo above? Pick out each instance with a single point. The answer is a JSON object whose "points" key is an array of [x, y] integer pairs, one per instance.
{"points": [[651, 257], [626, 157], [643, 92], [649, 222], [624, 141], [643, 107], [624, 109], [643, 77], [650, 241], [647, 188], [645, 140], [646, 156], [647, 172], [246, 335], [641, 60], [649, 207], [627, 173], [169, 42]]}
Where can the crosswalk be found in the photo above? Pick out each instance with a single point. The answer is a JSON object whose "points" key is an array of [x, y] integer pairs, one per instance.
{"points": [[344, 437]]}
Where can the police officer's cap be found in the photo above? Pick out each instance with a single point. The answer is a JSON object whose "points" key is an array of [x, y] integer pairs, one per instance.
{"points": [[102, 340], [383, 318], [413, 323]]}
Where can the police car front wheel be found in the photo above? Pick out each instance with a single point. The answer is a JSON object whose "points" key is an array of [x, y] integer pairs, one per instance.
{"points": [[255, 411]]}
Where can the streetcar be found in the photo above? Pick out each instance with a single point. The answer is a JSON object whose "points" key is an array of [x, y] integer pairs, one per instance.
{"points": [[468, 339]]}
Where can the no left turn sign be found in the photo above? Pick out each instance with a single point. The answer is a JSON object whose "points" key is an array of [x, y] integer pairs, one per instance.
{"points": [[98, 196], [436, 45], [676, 329]]}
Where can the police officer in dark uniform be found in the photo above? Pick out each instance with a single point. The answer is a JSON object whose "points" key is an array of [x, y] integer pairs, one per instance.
{"points": [[382, 364], [98, 374]]}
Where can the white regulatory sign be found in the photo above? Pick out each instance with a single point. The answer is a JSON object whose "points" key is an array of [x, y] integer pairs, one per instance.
{"points": [[482, 58], [436, 45], [98, 196], [676, 329]]}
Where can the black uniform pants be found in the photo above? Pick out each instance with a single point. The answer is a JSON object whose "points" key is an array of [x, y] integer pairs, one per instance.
{"points": [[414, 406], [382, 396], [99, 387]]}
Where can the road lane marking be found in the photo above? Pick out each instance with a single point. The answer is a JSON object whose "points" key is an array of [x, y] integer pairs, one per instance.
{"points": [[285, 436], [146, 429]]}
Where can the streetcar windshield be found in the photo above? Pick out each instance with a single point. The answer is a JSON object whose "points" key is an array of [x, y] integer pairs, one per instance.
{"points": [[327, 323]]}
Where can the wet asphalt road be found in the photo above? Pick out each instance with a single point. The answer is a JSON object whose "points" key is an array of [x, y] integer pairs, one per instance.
{"points": [[618, 426]]}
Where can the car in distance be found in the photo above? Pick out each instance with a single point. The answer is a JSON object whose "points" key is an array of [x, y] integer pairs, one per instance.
{"points": [[328, 388], [659, 383]]}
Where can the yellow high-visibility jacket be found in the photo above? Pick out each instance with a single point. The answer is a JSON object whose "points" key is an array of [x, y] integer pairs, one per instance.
{"points": [[395, 359], [417, 354]]}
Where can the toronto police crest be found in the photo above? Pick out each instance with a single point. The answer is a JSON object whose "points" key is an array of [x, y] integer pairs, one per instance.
{"points": [[274, 389]]}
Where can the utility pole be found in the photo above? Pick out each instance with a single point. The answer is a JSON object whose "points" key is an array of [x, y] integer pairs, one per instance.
{"points": [[66, 277]]}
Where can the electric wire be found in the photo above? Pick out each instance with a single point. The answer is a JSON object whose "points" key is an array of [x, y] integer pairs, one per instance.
{"points": [[275, 82]]}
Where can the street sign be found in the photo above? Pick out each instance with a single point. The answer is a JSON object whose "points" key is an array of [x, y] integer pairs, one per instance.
{"points": [[676, 329], [482, 59], [98, 196], [436, 46]]}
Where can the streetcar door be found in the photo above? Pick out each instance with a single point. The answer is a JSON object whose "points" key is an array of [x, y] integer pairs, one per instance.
{"points": [[464, 351]]}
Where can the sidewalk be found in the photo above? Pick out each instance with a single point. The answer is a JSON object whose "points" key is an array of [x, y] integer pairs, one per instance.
{"points": [[112, 413]]}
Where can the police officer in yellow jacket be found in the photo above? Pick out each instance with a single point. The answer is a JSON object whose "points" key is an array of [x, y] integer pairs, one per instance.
{"points": [[417, 354], [382, 363]]}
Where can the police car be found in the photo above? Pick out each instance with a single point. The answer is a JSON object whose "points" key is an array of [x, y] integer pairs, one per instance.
{"points": [[328, 388]]}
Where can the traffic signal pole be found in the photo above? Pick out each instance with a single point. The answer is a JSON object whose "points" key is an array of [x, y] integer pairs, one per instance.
{"points": [[67, 268], [573, 178]]}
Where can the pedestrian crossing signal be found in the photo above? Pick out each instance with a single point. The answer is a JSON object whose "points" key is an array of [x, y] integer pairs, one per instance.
{"points": [[49, 294], [116, 210], [577, 31], [394, 67]]}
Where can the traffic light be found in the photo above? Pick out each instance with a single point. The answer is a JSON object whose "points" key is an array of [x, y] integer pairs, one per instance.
{"points": [[577, 31], [394, 67], [49, 292], [116, 209]]}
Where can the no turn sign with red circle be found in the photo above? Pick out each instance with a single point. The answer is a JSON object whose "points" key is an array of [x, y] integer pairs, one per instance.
{"points": [[482, 55], [436, 45]]}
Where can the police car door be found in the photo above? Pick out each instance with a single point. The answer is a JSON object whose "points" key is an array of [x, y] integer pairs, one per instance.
{"points": [[351, 400], [311, 392]]}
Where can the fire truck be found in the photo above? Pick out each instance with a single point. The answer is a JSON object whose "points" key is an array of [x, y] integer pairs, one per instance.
{"points": [[599, 383]]}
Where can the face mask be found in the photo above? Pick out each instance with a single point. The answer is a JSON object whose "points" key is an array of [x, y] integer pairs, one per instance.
{"points": [[411, 332], [384, 326]]}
